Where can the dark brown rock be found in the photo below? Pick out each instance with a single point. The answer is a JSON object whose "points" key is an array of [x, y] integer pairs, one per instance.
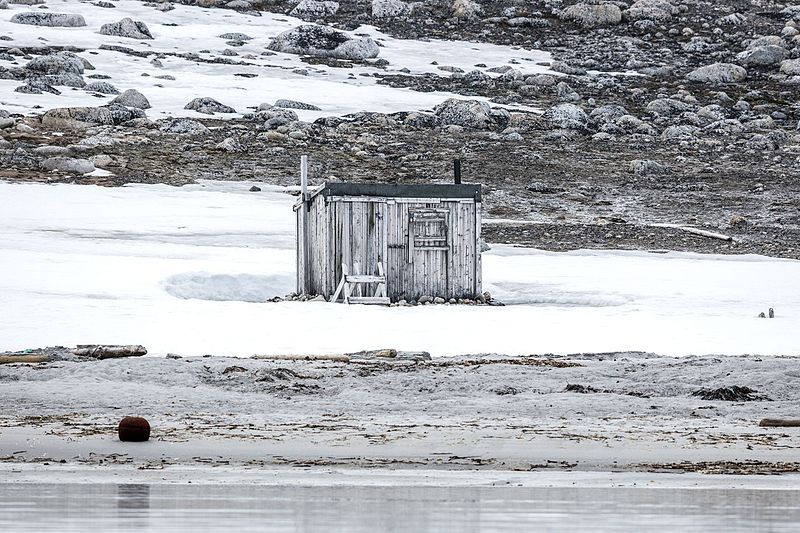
{"points": [[133, 429]]}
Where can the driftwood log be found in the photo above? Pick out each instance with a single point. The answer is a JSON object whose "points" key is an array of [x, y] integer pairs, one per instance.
{"points": [[696, 231], [779, 423], [8, 359], [109, 351]]}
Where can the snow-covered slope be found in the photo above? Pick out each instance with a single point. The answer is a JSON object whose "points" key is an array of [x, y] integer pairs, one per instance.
{"points": [[177, 269], [190, 29]]}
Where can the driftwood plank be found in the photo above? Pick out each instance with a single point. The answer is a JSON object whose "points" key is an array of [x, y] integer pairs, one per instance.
{"points": [[779, 423], [9, 359]]}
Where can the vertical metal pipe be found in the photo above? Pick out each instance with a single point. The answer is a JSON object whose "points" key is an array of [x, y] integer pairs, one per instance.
{"points": [[457, 171], [304, 248]]}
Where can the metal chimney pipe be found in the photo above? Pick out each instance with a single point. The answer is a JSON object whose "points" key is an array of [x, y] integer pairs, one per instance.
{"points": [[457, 171]]}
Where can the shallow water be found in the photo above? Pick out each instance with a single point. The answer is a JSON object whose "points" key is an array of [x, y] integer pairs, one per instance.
{"points": [[169, 507]]}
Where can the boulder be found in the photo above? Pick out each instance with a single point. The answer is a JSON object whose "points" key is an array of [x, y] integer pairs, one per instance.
{"points": [[655, 10], [647, 167], [566, 116], [61, 20], [133, 29], [667, 107], [762, 56], [235, 36], [466, 9], [101, 87], [293, 104], [718, 73], [323, 41], [593, 16], [132, 98], [133, 429], [473, 114], [683, 132], [3, 4], [791, 67], [68, 164], [383, 9], [77, 117], [183, 126], [275, 118], [314, 9], [58, 63], [208, 106]]}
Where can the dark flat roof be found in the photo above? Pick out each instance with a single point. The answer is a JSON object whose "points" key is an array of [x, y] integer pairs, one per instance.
{"points": [[394, 190]]}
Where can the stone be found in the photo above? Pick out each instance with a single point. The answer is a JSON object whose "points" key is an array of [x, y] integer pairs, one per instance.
{"points": [[646, 167], [294, 104], [593, 16], [466, 9], [132, 29], [383, 9], [59, 20], [3, 4], [183, 126], [655, 10], [274, 118], [208, 106], [667, 107], [762, 56], [684, 132], [58, 63], [566, 116], [132, 98], [68, 164], [77, 117], [314, 9], [133, 429], [471, 114], [235, 36], [324, 41], [101, 87], [791, 67], [718, 73]]}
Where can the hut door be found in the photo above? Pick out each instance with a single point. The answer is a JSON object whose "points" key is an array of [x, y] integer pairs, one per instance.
{"points": [[428, 248]]}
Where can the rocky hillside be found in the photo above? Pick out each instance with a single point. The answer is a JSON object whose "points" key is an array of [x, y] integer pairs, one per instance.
{"points": [[635, 113]]}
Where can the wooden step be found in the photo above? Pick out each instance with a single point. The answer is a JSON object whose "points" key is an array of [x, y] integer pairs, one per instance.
{"points": [[364, 278], [369, 300]]}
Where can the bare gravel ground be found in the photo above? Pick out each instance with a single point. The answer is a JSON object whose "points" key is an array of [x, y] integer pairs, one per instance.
{"points": [[588, 412]]}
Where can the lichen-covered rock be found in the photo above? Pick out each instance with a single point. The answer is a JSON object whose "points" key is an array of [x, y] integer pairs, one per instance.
{"points": [[132, 29], [647, 167], [323, 41], [382, 9], [762, 56], [208, 106], [183, 126], [473, 114], [68, 164], [593, 16], [274, 118], [683, 132], [101, 87], [294, 104], [132, 98], [466, 9], [791, 67], [667, 107], [121, 114], [718, 73], [77, 117], [566, 116], [58, 63], [3, 4], [235, 36], [655, 10], [59, 20], [314, 9]]}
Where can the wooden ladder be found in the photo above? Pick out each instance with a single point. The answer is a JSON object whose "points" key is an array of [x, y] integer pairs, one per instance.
{"points": [[351, 283]]}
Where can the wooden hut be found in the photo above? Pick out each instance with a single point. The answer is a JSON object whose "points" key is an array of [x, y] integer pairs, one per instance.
{"points": [[375, 243]]}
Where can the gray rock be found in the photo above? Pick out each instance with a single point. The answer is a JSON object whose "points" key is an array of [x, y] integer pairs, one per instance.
{"points": [[101, 87], [593, 16], [183, 126], [471, 114], [293, 104], [133, 29], [132, 98], [68, 164], [768, 40], [323, 41], [61, 20], [383, 9], [607, 113], [466, 9], [121, 114], [77, 117], [683, 132], [37, 86], [791, 67], [58, 63], [230, 145], [314, 9], [27, 2], [762, 56], [7, 122], [208, 106], [566, 116], [235, 37], [667, 107], [647, 167], [3, 4], [275, 118], [655, 10], [718, 73], [51, 151]]}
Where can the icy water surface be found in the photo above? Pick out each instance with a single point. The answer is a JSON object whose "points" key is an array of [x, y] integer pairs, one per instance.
{"points": [[186, 507]]}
